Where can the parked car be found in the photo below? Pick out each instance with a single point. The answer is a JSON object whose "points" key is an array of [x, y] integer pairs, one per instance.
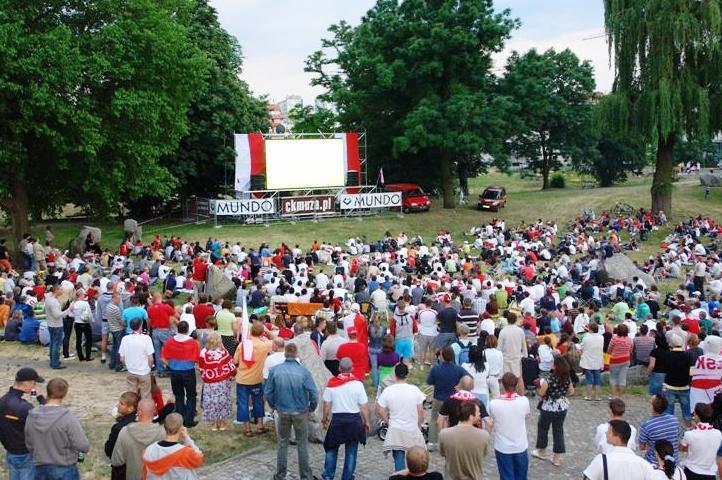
{"points": [[413, 196], [492, 198]]}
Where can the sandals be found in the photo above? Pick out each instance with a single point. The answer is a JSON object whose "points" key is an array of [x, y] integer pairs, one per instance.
{"points": [[556, 461], [588, 399], [535, 453], [248, 433]]}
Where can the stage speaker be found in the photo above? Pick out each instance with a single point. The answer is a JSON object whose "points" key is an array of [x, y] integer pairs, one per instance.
{"points": [[258, 182], [352, 178]]}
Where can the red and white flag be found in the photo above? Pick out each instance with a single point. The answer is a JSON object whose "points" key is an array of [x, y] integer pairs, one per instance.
{"points": [[381, 176], [250, 159]]}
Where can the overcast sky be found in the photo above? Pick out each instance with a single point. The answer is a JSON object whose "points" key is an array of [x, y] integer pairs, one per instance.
{"points": [[278, 35]]}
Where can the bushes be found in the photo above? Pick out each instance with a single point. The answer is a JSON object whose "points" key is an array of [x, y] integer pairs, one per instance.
{"points": [[557, 181]]}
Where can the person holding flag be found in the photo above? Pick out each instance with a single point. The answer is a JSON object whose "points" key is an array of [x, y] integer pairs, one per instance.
{"points": [[250, 356]]}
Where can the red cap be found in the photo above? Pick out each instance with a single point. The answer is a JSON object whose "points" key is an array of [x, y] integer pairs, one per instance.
{"points": [[351, 331]]}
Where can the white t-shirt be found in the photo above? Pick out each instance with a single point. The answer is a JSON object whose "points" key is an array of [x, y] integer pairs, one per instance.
{"points": [[488, 326], [592, 352], [509, 415], [427, 322], [494, 362], [481, 387], [702, 449], [136, 348], [600, 438], [275, 358], [346, 398], [190, 319], [400, 399], [621, 463]]}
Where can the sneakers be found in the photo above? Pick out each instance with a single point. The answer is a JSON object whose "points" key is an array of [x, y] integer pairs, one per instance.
{"points": [[102, 359]]}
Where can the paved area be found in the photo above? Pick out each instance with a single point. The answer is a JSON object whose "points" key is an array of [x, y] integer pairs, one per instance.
{"points": [[582, 420]]}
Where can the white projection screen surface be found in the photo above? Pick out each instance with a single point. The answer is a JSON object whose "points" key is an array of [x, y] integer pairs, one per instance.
{"points": [[313, 163]]}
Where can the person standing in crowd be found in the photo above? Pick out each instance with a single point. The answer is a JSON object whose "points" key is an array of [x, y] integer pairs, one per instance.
{"points": [[660, 426], [509, 414], [592, 362], [346, 401], [553, 410], [14, 410], [707, 372], [447, 324], [217, 370], [116, 326], [477, 368], [678, 365], [357, 352], [135, 311], [616, 412], [55, 314], [512, 344], [127, 457], [249, 380], [290, 391], [127, 413], [54, 436], [643, 346], [619, 462], [82, 316], [494, 365], [180, 354], [464, 446], [376, 335], [427, 333], [620, 356], [657, 367], [417, 467], [175, 457], [136, 353], [395, 406], [666, 467], [329, 349], [402, 328], [444, 377], [701, 445], [160, 317]]}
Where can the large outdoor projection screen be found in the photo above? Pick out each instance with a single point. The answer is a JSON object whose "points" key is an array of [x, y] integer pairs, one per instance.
{"points": [[294, 164]]}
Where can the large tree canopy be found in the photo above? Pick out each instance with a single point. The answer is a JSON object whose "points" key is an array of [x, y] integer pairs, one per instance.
{"points": [[92, 94], [416, 76], [668, 74], [552, 119]]}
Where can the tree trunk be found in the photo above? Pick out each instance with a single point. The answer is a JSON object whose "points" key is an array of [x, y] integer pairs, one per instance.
{"points": [[19, 210], [446, 180], [545, 166], [663, 175]]}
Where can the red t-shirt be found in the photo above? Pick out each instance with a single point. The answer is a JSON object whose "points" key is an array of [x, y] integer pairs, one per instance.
{"points": [[362, 332], [159, 315], [693, 325], [199, 270], [359, 355], [201, 312], [285, 333]]}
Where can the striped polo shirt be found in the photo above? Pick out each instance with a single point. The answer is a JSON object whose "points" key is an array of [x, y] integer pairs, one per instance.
{"points": [[661, 427]]}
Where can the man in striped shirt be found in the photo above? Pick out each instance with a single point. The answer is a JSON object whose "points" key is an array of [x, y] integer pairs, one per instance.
{"points": [[468, 317], [660, 426]]}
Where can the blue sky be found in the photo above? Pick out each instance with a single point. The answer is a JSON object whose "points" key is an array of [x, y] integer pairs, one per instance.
{"points": [[277, 35]]}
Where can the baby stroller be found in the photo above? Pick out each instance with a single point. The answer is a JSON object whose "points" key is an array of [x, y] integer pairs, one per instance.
{"points": [[530, 375]]}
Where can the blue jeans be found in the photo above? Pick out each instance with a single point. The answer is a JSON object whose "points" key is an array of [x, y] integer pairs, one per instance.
{"points": [[678, 395], [242, 393], [159, 336], [349, 462], [56, 341], [512, 466], [56, 472], [399, 459], [115, 351], [20, 466], [656, 380], [374, 356]]}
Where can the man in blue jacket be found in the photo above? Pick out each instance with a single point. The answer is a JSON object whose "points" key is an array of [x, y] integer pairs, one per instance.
{"points": [[291, 391]]}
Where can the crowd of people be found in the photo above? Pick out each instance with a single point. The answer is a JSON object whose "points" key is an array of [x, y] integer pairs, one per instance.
{"points": [[508, 311]]}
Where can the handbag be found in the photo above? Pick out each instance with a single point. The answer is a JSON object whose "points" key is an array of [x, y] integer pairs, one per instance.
{"points": [[604, 466]]}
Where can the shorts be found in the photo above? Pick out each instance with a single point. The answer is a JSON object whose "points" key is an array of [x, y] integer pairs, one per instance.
{"points": [[593, 378], [104, 330], [424, 342], [618, 374], [444, 339], [404, 348]]}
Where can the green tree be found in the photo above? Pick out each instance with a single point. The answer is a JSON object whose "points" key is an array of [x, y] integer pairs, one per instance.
{"points": [[552, 94], [616, 158], [695, 150], [222, 107], [312, 120], [666, 56], [416, 76], [92, 94]]}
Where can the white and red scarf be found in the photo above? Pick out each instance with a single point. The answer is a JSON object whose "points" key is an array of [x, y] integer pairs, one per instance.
{"points": [[340, 379]]}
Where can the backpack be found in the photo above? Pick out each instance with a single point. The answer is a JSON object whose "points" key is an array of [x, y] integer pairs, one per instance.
{"points": [[463, 353]]}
